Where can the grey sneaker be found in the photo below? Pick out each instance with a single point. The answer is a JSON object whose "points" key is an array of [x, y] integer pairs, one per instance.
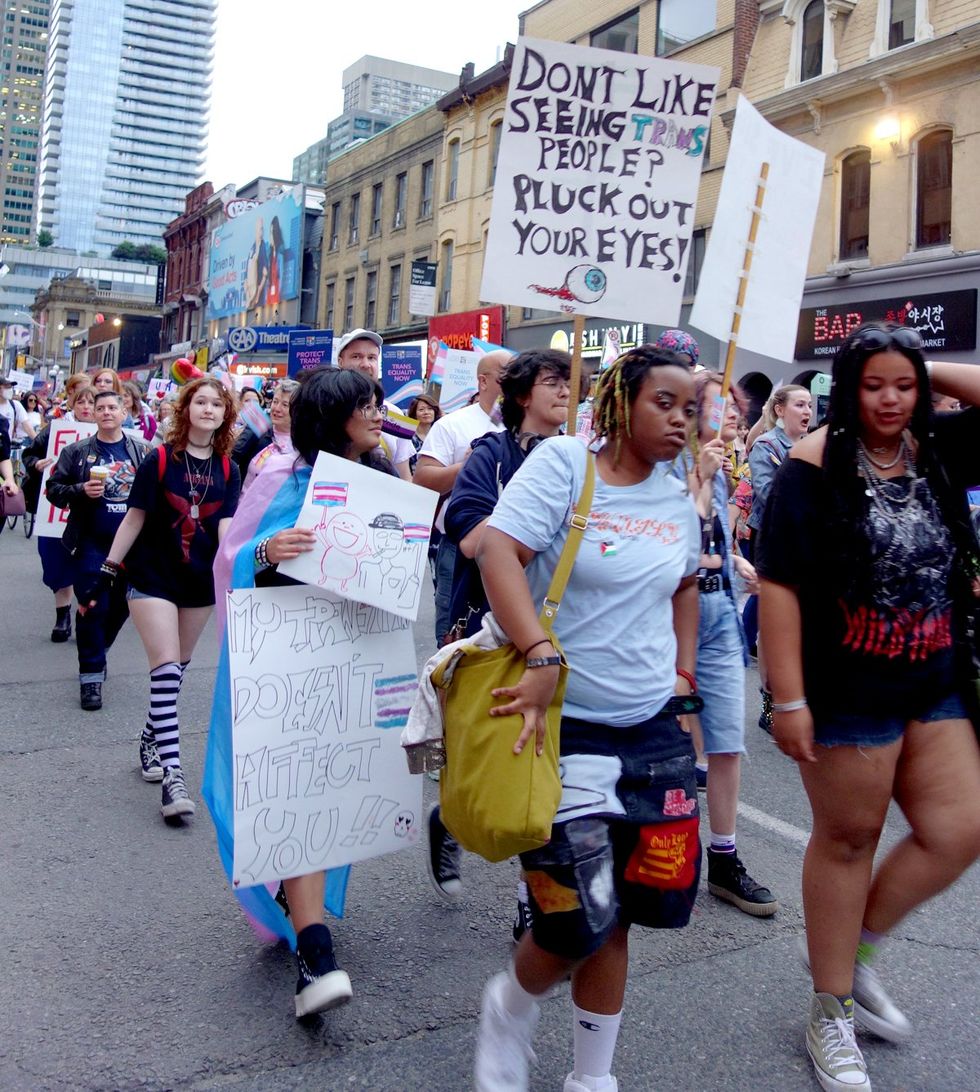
{"points": [[174, 798], [150, 768], [875, 1010], [837, 1060], [503, 1043]]}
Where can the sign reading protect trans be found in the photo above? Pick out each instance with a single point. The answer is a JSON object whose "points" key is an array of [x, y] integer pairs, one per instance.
{"points": [[261, 339]]}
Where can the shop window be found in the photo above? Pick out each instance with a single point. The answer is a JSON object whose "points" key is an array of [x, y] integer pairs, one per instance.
{"points": [[934, 189], [855, 205]]}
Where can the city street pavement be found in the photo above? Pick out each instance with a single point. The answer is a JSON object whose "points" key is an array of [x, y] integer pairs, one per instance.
{"points": [[126, 963]]}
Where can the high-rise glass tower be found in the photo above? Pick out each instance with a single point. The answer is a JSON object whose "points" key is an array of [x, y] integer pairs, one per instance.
{"points": [[22, 50], [126, 97]]}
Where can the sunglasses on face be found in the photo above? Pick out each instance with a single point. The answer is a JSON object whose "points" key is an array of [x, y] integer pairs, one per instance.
{"points": [[876, 340]]}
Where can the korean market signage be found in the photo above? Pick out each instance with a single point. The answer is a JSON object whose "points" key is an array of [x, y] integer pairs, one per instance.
{"points": [[946, 321]]}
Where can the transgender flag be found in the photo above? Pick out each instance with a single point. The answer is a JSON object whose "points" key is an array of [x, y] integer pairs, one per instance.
{"points": [[330, 494], [439, 364]]}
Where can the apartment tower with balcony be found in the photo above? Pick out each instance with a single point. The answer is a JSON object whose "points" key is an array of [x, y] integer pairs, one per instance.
{"points": [[124, 130]]}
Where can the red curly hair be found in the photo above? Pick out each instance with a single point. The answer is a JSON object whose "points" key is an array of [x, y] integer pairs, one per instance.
{"points": [[224, 435]]}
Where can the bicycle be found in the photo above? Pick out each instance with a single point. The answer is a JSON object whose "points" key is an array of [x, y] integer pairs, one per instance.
{"points": [[19, 477]]}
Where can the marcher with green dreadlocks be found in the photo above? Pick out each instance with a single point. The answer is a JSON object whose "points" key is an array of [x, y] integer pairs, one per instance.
{"points": [[624, 847]]}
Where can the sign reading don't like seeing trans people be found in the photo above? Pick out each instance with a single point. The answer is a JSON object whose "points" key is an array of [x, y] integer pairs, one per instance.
{"points": [[597, 177]]}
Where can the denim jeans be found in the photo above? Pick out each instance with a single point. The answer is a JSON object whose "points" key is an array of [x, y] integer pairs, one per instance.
{"points": [[445, 565], [99, 625], [721, 674]]}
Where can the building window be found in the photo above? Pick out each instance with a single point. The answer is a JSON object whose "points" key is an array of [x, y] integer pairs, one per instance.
{"points": [[354, 224], [681, 21], [934, 189], [855, 205], [335, 225], [446, 294], [395, 295], [901, 23], [371, 299], [695, 259], [401, 196], [349, 304], [495, 130], [621, 34], [452, 170], [425, 197], [73, 318], [328, 303], [376, 196], [811, 46]]}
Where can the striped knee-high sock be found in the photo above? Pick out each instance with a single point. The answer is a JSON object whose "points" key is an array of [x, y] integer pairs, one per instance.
{"points": [[164, 688]]}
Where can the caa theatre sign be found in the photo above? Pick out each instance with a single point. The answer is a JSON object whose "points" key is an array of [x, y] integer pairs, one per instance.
{"points": [[947, 322]]}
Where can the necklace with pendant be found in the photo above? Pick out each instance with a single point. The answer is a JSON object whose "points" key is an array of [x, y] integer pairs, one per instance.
{"points": [[197, 499], [878, 450]]}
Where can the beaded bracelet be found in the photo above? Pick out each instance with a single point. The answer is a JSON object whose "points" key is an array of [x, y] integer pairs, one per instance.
{"points": [[262, 554]]}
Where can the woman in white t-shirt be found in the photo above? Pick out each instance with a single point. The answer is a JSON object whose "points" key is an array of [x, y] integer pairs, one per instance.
{"points": [[628, 619], [32, 416]]}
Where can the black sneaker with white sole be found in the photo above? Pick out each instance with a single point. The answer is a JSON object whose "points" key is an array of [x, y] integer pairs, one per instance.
{"points": [[321, 984], [175, 801], [150, 768], [442, 860], [522, 920], [728, 880]]}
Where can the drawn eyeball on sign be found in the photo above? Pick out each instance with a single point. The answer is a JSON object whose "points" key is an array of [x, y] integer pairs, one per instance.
{"points": [[587, 283], [404, 823]]}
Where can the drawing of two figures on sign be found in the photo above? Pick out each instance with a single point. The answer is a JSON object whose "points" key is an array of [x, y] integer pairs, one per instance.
{"points": [[375, 558]]}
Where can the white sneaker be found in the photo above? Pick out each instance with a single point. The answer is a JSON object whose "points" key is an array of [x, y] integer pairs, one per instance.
{"points": [[590, 1084], [837, 1060], [503, 1043], [875, 1010]]}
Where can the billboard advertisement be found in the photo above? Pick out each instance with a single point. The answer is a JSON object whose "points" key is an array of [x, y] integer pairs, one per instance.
{"points": [[457, 330], [256, 260]]}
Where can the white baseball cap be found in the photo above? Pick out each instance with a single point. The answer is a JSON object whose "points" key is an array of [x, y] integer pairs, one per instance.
{"points": [[357, 335]]}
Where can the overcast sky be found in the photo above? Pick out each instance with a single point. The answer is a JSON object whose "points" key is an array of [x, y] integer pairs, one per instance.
{"points": [[277, 71]]}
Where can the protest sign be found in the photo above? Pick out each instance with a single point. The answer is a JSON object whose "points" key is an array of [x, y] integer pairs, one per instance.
{"points": [[603, 155], [458, 378], [401, 373], [778, 256], [23, 381], [158, 389], [320, 688], [51, 521], [309, 349], [372, 535]]}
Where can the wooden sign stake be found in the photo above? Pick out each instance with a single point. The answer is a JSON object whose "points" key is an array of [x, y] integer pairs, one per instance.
{"points": [[578, 336]]}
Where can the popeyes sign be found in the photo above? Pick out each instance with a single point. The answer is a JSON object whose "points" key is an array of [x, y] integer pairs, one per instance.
{"points": [[457, 331]]}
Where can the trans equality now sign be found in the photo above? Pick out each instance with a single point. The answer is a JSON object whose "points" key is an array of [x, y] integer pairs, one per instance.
{"points": [[603, 155]]}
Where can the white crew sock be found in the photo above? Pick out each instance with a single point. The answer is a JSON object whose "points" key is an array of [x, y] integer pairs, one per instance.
{"points": [[515, 999], [595, 1038]]}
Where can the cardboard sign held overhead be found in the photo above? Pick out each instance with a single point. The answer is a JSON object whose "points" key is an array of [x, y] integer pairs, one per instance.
{"points": [[779, 253], [597, 178]]}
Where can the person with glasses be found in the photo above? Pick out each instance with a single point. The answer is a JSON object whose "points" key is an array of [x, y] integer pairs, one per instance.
{"points": [[534, 390], [870, 572], [339, 412], [277, 439]]}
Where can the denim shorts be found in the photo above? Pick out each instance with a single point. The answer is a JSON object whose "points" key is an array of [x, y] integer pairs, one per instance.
{"points": [[720, 673], [641, 867], [838, 729]]}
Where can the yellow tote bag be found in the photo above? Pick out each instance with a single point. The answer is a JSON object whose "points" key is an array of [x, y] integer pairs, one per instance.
{"points": [[496, 803]]}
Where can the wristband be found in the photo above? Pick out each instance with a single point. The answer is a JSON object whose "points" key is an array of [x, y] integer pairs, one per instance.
{"points": [[690, 678], [543, 641], [110, 567], [789, 706], [262, 554], [543, 661]]}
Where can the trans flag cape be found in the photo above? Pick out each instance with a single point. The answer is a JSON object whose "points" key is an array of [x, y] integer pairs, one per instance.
{"points": [[272, 503]]}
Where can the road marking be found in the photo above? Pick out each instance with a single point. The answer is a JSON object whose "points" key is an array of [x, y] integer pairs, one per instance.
{"points": [[777, 826]]}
